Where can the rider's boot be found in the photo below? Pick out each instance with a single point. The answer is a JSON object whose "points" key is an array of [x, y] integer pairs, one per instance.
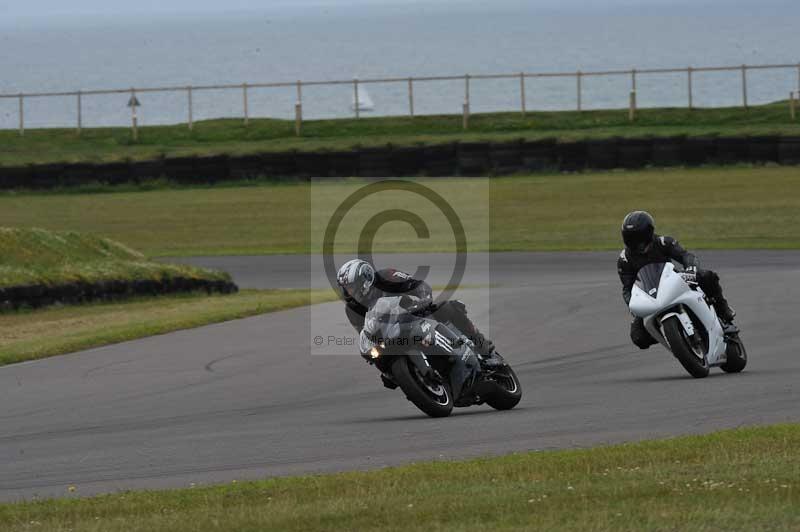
{"points": [[724, 310], [709, 282], [486, 351]]}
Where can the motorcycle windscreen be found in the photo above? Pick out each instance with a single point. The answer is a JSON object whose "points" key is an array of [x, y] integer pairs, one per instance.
{"points": [[649, 277], [387, 319]]}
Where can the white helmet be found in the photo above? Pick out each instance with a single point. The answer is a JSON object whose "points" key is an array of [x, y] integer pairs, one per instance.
{"points": [[355, 278]]}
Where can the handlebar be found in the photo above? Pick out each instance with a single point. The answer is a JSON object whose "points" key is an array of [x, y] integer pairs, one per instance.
{"points": [[414, 304]]}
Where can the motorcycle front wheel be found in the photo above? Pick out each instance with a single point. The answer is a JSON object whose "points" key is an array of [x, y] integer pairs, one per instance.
{"points": [[434, 399], [692, 359]]}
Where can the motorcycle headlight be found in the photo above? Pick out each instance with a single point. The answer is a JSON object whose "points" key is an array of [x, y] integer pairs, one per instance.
{"points": [[368, 347]]}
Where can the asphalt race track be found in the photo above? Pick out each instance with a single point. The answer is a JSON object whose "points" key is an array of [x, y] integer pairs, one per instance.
{"points": [[246, 400]]}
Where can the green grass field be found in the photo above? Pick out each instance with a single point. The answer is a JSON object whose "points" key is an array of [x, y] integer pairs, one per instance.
{"points": [[741, 480], [33, 334], [38, 256], [232, 137], [732, 207]]}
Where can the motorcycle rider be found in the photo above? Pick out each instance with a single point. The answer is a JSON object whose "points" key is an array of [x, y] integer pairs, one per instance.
{"points": [[361, 286], [642, 247]]}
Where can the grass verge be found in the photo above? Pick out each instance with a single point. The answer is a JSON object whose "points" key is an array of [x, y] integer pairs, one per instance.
{"points": [[51, 258], [731, 207], [230, 136], [28, 335], [745, 479]]}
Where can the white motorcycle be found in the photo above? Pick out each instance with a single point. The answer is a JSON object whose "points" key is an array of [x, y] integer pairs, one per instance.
{"points": [[677, 313]]}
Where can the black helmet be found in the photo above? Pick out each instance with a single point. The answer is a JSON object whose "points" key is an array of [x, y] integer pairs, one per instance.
{"points": [[638, 229]]}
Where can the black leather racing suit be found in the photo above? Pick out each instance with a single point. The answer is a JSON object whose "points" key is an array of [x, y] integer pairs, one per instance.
{"points": [[663, 249], [390, 282]]}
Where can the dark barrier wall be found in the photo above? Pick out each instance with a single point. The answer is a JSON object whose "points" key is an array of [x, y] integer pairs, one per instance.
{"points": [[465, 159], [14, 297]]}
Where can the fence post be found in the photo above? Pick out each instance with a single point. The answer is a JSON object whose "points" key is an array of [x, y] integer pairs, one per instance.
{"points": [[411, 96], [792, 110], [579, 78], [245, 103], [691, 96], [191, 110], [744, 86], [465, 109], [796, 101], [356, 103], [21, 115], [632, 107], [134, 120], [80, 112], [522, 93], [298, 119], [298, 110]]}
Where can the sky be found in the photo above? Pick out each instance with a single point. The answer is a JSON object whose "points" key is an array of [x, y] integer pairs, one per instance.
{"points": [[12, 9]]}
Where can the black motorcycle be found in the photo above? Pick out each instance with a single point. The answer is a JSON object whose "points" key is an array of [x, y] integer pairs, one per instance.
{"points": [[434, 364]]}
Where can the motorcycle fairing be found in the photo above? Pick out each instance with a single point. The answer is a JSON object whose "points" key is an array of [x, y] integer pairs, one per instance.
{"points": [[389, 323], [671, 294], [465, 371]]}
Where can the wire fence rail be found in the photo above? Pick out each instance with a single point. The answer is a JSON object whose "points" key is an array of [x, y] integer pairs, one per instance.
{"points": [[468, 79]]}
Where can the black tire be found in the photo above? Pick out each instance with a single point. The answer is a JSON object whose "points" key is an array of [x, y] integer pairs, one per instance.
{"points": [[418, 392], [509, 390], [737, 356], [676, 337]]}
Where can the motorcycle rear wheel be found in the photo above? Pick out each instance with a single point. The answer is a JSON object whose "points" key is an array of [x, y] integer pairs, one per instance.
{"points": [[696, 366], [434, 400], [509, 391], [737, 356]]}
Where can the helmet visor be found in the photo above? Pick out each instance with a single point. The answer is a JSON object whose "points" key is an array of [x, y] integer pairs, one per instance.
{"points": [[637, 240], [359, 289]]}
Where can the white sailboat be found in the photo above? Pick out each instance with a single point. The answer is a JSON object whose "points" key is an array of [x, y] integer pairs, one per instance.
{"points": [[364, 102]]}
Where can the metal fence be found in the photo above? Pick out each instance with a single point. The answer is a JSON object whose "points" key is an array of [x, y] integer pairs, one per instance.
{"points": [[244, 89]]}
